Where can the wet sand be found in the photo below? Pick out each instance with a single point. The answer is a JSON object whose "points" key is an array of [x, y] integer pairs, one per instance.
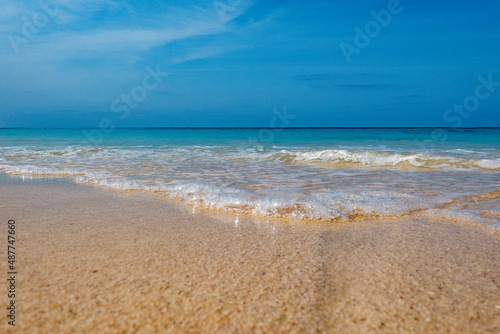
{"points": [[93, 260]]}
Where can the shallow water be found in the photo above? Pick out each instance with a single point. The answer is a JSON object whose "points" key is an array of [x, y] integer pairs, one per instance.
{"points": [[329, 174]]}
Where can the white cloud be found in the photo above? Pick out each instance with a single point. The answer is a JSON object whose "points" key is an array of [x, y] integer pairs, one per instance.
{"points": [[72, 54], [139, 34]]}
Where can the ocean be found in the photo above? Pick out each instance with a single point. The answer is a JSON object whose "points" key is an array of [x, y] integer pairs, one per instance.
{"points": [[326, 174]]}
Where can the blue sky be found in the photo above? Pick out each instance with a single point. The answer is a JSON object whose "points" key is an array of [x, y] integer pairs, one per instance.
{"points": [[232, 62]]}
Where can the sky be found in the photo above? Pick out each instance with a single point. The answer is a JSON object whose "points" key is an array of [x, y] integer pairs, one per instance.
{"points": [[249, 63]]}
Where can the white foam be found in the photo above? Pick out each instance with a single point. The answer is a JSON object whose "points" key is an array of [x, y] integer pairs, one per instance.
{"points": [[263, 186], [39, 171], [214, 197], [296, 204], [374, 202], [489, 164], [340, 158], [299, 204]]}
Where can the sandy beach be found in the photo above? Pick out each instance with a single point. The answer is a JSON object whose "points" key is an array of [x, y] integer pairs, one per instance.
{"points": [[95, 260], [229, 166]]}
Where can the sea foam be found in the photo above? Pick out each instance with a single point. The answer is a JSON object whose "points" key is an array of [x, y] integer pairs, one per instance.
{"points": [[293, 180]]}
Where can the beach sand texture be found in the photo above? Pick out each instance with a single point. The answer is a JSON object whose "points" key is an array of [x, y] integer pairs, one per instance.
{"points": [[93, 260]]}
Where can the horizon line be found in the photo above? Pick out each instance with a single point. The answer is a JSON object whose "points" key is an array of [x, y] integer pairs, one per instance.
{"points": [[257, 128]]}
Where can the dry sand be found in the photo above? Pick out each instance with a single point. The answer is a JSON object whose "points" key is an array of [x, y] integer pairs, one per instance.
{"points": [[93, 260]]}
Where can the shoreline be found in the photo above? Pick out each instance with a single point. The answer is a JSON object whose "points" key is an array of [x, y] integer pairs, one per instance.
{"points": [[97, 260], [483, 203]]}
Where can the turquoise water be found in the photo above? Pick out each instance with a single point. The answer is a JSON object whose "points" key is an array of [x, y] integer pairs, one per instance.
{"points": [[294, 173], [408, 139]]}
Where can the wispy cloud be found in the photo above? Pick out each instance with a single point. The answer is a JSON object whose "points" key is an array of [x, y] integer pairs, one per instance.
{"points": [[89, 51], [140, 32], [205, 52], [129, 39]]}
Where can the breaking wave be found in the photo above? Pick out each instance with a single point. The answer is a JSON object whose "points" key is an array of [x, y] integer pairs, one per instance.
{"points": [[372, 159], [283, 182], [324, 205]]}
